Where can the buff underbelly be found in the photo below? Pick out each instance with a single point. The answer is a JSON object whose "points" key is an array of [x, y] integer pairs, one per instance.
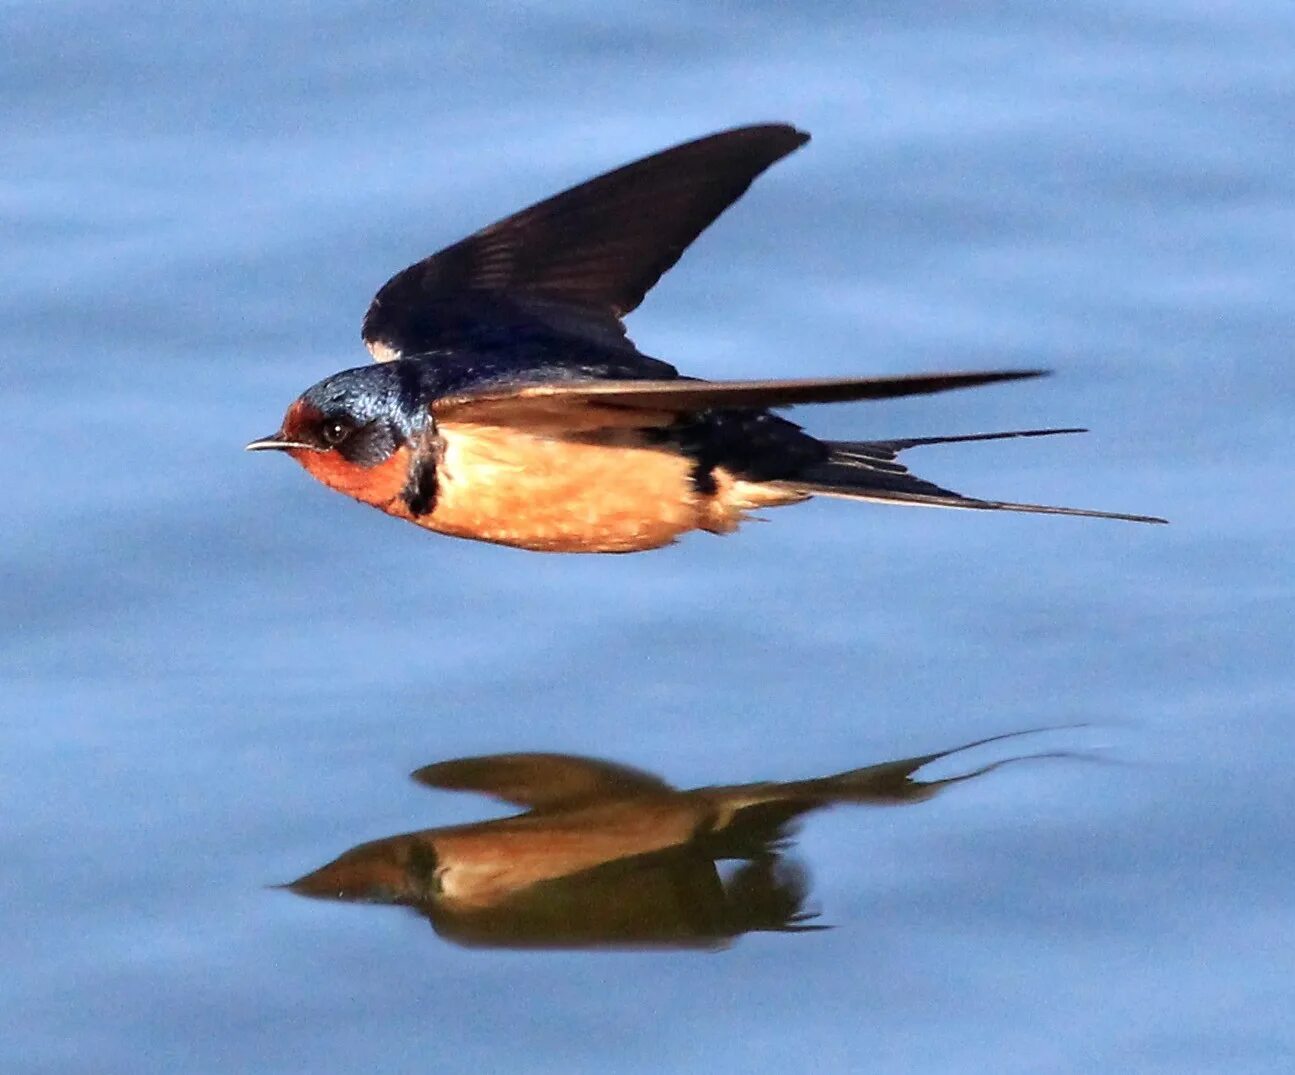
{"points": [[607, 494]]}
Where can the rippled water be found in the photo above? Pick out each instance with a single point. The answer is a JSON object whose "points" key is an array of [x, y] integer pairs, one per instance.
{"points": [[218, 674]]}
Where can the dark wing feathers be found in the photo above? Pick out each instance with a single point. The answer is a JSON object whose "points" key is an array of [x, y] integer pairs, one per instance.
{"points": [[540, 780], [580, 260], [583, 405]]}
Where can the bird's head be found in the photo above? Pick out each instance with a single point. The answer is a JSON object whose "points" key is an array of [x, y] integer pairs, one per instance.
{"points": [[398, 869], [352, 431]]}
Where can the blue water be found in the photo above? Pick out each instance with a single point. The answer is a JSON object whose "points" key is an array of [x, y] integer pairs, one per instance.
{"points": [[217, 673]]}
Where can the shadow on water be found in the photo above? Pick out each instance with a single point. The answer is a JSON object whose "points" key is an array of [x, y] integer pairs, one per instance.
{"points": [[607, 856]]}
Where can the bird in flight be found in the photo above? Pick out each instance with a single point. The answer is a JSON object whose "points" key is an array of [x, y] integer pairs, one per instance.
{"points": [[508, 404]]}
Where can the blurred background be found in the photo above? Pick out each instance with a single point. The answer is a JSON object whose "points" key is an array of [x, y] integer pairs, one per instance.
{"points": [[217, 674]]}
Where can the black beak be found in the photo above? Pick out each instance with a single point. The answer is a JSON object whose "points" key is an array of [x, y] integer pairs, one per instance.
{"points": [[275, 442]]}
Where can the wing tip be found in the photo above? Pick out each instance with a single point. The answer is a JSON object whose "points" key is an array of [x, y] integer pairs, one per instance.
{"points": [[796, 134], [776, 127], [1018, 374]]}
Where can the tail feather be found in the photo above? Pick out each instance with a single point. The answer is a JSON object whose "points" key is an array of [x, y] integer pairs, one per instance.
{"points": [[869, 470]]}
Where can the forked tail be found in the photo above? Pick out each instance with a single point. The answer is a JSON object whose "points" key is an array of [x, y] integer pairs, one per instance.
{"points": [[870, 470]]}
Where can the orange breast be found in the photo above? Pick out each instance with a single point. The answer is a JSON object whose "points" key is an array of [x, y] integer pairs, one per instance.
{"points": [[488, 862], [611, 494]]}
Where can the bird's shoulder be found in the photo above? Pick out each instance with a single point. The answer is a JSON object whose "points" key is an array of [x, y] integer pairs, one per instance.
{"points": [[748, 442], [497, 357]]}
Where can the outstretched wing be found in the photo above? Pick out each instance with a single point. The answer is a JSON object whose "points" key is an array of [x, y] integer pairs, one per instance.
{"points": [[539, 780], [577, 406], [577, 262]]}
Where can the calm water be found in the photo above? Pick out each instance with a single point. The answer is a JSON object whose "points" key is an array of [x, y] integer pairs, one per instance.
{"points": [[217, 674]]}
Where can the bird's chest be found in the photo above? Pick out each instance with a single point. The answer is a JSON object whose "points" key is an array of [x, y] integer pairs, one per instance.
{"points": [[484, 864], [610, 493]]}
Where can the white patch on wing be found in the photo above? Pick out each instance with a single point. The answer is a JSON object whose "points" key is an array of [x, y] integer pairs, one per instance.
{"points": [[382, 351]]}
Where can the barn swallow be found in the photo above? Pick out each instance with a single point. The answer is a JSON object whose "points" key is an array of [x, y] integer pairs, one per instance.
{"points": [[610, 856], [508, 404]]}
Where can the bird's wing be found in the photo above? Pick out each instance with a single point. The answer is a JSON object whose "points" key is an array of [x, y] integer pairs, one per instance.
{"points": [[576, 406], [579, 261], [539, 780]]}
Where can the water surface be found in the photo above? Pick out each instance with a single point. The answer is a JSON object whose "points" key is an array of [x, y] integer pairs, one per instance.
{"points": [[217, 673]]}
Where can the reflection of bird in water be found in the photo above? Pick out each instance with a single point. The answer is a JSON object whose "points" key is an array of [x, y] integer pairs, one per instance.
{"points": [[609, 856], [509, 406]]}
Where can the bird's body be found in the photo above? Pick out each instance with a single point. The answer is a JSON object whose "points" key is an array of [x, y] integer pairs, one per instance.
{"points": [[607, 488], [509, 406], [603, 493]]}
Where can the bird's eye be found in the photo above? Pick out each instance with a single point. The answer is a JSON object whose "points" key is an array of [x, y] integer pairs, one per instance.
{"points": [[335, 430]]}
